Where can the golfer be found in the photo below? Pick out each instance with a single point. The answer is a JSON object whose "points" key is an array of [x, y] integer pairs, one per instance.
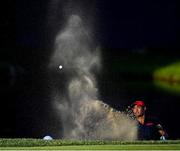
{"points": [[148, 128]]}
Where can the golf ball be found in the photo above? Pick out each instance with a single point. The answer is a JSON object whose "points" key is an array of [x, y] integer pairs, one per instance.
{"points": [[60, 66], [47, 137]]}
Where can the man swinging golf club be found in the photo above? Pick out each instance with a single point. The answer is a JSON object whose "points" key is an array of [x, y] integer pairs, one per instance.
{"points": [[148, 128]]}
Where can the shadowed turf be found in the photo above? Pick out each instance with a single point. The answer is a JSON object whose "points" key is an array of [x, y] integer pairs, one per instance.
{"points": [[39, 144]]}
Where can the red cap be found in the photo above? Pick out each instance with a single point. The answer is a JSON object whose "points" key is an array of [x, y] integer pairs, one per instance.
{"points": [[139, 103]]}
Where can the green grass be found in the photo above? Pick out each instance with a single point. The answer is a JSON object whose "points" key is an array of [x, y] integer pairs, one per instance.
{"points": [[173, 88], [39, 144], [164, 70], [100, 147], [136, 64], [169, 73], [168, 78]]}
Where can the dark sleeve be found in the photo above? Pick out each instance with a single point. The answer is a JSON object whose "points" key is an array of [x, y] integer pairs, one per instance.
{"points": [[158, 126], [157, 123]]}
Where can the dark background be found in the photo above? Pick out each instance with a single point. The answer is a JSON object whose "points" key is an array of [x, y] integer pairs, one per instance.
{"points": [[121, 26]]}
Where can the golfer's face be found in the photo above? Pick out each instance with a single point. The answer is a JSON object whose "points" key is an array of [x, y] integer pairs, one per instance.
{"points": [[138, 110]]}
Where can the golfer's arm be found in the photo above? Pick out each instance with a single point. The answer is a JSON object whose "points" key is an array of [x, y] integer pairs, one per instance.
{"points": [[163, 133]]}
